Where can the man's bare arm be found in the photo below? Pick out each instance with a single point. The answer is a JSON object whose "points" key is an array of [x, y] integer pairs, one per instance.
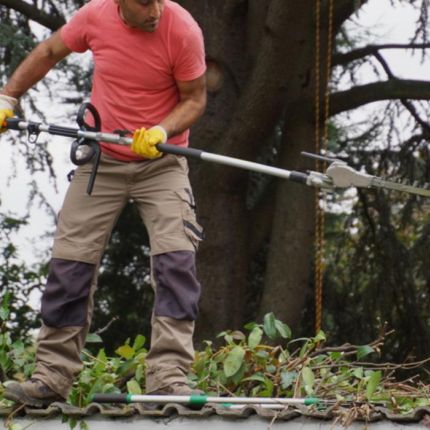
{"points": [[36, 65], [191, 106]]}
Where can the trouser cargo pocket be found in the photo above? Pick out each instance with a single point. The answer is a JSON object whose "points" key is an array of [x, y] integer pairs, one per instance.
{"points": [[193, 230]]}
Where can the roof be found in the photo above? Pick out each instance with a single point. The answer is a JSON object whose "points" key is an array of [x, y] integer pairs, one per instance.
{"points": [[179, 417]]}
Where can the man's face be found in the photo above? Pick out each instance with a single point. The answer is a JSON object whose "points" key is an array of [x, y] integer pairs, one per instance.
{"points": [[142, 14]]}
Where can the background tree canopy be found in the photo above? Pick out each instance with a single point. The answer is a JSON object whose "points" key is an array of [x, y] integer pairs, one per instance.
{"points": [[268, 62]]}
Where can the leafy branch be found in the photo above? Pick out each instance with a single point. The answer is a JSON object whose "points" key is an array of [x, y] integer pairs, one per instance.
{"points": [[261, 361]]}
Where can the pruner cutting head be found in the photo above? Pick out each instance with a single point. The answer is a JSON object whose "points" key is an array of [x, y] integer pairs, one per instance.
{"points": [[344, 176], [340, 175]]}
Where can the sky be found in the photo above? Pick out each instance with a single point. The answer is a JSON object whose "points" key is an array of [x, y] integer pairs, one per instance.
{"points": [[387, 23]]}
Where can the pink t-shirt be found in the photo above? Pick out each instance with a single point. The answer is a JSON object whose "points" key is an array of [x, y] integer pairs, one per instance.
{"points": [[135, 71]]}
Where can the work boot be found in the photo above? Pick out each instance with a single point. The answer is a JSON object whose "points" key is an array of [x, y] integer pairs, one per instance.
{"points": [[32, 393], [177, 389]]}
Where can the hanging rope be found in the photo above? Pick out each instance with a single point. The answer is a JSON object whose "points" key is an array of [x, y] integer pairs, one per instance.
{"points": [[320, 166]]}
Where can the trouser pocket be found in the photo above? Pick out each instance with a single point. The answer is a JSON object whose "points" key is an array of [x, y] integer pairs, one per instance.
{"points": [[193, 230]]}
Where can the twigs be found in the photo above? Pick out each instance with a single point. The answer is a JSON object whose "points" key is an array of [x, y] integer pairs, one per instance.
{"points": [[106, 327], [9, 419]]}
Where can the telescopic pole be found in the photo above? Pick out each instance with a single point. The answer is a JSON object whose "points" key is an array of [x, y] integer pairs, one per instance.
{"points": [[35, 128], [201, 400]]}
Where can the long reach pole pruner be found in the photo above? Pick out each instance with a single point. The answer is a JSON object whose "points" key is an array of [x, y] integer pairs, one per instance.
{"points": [[86, 148]]}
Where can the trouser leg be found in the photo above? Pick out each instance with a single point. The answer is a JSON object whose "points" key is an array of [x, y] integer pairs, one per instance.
{"points": [[66, 308], [84, 226], [166, 205], [177, 292]]}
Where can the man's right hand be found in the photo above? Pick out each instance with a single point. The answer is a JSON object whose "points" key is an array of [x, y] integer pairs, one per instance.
{"points": [[7, 106]]}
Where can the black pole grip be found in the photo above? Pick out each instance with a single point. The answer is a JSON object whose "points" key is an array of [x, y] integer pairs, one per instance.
{"points": [[110, 398], [298, 177], [12, 123], [168, 148]]}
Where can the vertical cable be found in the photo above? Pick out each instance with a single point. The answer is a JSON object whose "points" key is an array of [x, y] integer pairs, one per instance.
{"points": [[321, 165], [318, 232]]}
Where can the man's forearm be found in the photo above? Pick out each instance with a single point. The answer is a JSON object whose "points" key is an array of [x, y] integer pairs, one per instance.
{"points": [[30, 71], [183, 116], [192, 103]]}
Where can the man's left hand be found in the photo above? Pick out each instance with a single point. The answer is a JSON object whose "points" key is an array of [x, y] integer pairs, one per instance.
{"points": [[145, 141], [7, 106]]}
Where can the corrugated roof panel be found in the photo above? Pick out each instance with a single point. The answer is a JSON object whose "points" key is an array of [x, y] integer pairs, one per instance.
{"points": [[135, 413]]}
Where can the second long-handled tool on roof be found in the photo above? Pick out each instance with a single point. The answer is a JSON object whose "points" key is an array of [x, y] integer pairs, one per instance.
{"points": [[200, 400], [86, 148]]}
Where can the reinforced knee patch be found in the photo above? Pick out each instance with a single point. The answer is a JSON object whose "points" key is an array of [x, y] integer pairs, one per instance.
{"points": [[178, 291], [65, 299]]}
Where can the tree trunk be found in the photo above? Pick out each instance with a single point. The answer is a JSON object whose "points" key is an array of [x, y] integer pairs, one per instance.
{"points": [[289, 272], [220, 191], [258, 66], [287, 283]]}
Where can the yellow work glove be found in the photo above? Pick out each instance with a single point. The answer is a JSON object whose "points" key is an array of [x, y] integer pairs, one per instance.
{"points": [[7, 106], [144, 141]]}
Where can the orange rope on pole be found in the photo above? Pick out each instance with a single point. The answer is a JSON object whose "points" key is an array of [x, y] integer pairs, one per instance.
{"points": [[321, 165], [318, 232]]}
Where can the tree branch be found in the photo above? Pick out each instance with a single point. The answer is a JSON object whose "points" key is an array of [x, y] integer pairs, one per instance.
{"points": [[357, 54], [387, 90], [35, 14], [408, 105], [343, 9]]}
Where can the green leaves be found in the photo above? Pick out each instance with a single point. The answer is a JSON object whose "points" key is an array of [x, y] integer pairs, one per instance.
{"points": [[363, 351], [288, 379], [102, 374], [93, 338], [255, 337], [125, 351], [372, 384], [274, 328], [269, 325], [308, 380], [133, 387], [128, 352], [234, 361]]}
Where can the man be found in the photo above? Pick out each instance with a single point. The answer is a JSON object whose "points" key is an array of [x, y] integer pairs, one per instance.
{"points": [[148, 77]]}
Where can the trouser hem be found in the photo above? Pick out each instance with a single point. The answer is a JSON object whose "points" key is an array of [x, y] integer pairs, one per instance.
{"points": [[56, 382], [158, 379]]}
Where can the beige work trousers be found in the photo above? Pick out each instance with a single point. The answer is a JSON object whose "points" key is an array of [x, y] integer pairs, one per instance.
{"points": [[161, 190]]}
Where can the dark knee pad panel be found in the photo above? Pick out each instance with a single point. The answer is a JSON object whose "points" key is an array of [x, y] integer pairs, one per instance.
{"points": [[178, 291], [65, 299]]}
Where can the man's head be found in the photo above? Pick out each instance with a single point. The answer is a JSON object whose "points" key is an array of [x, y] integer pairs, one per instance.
{"points": [[142, 14]]}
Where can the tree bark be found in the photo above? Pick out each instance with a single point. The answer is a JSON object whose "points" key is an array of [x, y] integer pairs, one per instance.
{"points": [[289, 262]]}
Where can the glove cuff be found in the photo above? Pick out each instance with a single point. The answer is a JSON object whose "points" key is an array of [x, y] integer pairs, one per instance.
{"points": [[163, 132], [7, 102]]}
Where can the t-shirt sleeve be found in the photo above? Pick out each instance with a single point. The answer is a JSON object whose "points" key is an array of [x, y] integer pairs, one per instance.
{"points": [[190, 57], [75, 32]]}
